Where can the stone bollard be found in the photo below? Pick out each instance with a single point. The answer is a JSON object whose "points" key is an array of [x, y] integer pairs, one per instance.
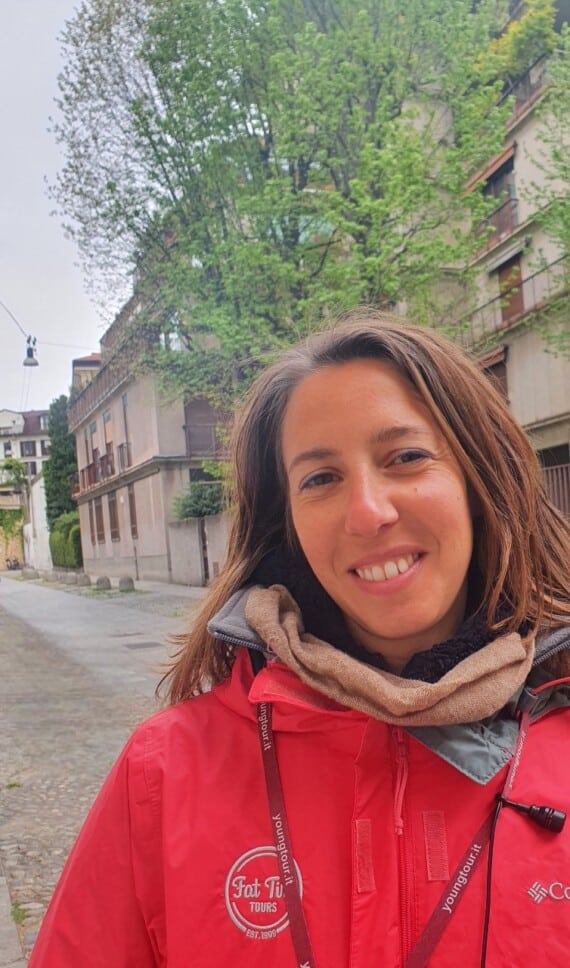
{"points": [[102, 583], [126, 584], [83, 580]]}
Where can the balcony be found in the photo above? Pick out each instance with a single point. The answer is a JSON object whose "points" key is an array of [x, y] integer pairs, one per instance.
{"points": [[557, 483], [526, 89], [74, 485], [100, 469], [515, 302], [500, 223]]}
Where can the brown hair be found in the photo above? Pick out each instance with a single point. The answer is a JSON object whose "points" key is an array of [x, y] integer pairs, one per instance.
{"points": [[522, 543]]}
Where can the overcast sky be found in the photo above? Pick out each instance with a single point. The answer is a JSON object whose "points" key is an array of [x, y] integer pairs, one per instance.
{"points": [[40, 282]]}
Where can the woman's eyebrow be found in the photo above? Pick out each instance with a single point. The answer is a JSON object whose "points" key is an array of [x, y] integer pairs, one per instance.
{"points": [[384, 435], [387, 434], [314, 453]]}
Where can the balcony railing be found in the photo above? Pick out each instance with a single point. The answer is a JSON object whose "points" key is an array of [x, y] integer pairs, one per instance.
{"points": [[557, 483], [526, 89], [533, 293], [74, 485], [101, 468], [89, 476], [502, 221]]}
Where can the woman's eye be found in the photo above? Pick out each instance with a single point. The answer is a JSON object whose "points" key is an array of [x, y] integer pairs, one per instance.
{"points": [[317, 480], [411, 456]]}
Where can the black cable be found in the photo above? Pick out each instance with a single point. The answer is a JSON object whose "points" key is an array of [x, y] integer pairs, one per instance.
{"points": [[488, 888]]}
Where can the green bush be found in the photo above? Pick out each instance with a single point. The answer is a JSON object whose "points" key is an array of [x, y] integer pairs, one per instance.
{"points": [[73, 553], [65, 541], [57, 548], [65, 523], [202, 499]]}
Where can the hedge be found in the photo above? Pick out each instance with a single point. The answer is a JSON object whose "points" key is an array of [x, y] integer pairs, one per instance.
{"points": [[65, 541]]}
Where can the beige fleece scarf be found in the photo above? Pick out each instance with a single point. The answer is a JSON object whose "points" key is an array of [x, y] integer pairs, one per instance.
{"points": [[477, 687]]}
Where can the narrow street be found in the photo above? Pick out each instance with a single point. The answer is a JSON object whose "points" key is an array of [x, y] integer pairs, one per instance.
{"points": [[77, 673]]}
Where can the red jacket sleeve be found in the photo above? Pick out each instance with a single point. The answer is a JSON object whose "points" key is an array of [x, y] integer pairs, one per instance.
{"points": [[95, 919]]}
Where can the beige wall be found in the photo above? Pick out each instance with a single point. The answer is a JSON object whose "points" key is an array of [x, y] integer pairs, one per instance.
{"points": [[538, 382], [186, 548]]}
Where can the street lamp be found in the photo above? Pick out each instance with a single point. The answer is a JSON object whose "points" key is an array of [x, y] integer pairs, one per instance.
{"points": [[30, 357]]}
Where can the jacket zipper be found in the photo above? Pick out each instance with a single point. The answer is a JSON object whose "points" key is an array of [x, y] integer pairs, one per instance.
{"points": [[404, 858]]}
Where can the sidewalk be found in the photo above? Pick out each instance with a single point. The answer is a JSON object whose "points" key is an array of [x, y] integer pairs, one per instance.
{"points": [[56, 705], [11, 955]]}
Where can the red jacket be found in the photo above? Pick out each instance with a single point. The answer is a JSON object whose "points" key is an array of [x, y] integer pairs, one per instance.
{"points": [[175, 864]]}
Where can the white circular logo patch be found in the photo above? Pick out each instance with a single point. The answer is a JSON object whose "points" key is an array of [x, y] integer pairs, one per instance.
{"points": [[254, 893]]}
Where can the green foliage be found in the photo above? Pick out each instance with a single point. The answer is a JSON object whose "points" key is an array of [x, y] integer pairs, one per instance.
{"points": [[10, 523], [13, 472], [65, 541], [526, 39], [550, 195], [61, 465], [57, 548], [65, 522], [73, 552], [273, 160], [200, 500]]}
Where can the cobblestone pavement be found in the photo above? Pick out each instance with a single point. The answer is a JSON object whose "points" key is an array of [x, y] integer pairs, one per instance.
{"points": [[62, 725]]}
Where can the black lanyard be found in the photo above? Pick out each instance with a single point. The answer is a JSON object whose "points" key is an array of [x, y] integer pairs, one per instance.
{"points": [[454, 890]]}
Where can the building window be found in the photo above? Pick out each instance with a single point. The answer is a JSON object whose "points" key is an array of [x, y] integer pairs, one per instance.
{"points": [[91, 523], [113, 518], [500, 186], [44, 421], [45, 448], [132, 511], [494, 366], [511, 289], [8, 448], [28, 448], [31, 468], [93, 440], [99, 524]]}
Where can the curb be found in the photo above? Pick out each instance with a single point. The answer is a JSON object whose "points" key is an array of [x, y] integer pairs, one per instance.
{"points": [[11, 955]]}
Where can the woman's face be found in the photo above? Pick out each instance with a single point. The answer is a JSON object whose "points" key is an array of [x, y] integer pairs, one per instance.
{"points": [[379, 505]]}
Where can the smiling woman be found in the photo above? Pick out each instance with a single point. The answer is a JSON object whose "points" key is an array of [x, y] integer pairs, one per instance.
{"points": [[379, 506], [369, 717]]}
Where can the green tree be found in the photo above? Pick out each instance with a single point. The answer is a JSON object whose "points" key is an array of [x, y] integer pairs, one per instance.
{"points": [[257, 163], [61, 464], [551, 197], [13, 473]]}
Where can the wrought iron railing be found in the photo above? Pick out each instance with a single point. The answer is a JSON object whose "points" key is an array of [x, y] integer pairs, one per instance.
{"points": [[535, 291]]}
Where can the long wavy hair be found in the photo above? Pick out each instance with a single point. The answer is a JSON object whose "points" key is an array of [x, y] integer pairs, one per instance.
{"points": [[521, 541]]}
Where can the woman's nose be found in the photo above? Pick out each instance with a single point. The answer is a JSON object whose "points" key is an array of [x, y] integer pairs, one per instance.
{"points": [[370, 506]]}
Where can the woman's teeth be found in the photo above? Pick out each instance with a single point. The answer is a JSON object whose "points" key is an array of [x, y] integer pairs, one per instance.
{"points": [[389, 570]]}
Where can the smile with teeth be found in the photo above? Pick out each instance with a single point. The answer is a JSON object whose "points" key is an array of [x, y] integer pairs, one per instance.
{"points": [[390, 569]]}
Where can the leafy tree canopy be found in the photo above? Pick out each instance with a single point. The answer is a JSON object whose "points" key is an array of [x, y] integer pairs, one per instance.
{"points": [[61, 464], [253, 164]]}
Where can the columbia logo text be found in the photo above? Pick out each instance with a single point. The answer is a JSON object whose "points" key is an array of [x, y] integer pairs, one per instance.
{"points": [[557, 891]]}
